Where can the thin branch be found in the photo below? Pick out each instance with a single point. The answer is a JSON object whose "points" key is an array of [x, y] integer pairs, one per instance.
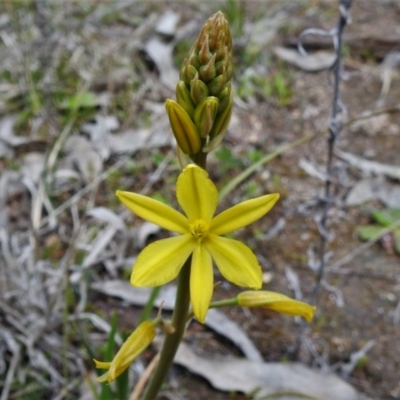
{"points": [[335, 127]]}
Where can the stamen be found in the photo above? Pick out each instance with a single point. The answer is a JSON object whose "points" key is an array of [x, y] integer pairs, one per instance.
{"points": [[199, 228]]}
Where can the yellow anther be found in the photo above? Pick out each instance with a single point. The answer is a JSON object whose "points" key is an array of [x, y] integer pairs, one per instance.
{"points": [[199, 228]]}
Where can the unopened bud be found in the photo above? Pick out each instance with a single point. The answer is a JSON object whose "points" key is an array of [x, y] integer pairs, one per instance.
{"points": [[198, 90], [204, 53], [216, 85], [208, 71], [225, 98], [222, 120], [204, 115], [184, 99], [277, 302], [205, 73], [185, 132], [188, 72]]}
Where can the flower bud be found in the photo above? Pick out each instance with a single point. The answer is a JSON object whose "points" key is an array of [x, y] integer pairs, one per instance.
{"points": [[225, 98], [204, 115], [222, 120], [184, 99], [205, 73], [204, 53], [198, 89], [136, 343], [208, 71], [185, 132], [277, 302], [188, 72], [217, 84]]}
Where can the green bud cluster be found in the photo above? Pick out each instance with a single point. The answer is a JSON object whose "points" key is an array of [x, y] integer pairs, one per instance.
{"points": [[200, 117]]}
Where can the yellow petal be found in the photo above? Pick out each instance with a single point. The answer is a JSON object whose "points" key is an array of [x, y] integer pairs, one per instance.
{"points": [[102, 378], [196, 194], [102, 364], [201, 282], [242, 214], [185, 131], [235, 260], [136, 343], [154, 211], [161, 261], [277, 302]]}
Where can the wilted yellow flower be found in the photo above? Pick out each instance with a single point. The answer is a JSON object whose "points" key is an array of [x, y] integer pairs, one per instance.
{"points": [[277, 302], [136, 343], [200, 236]]}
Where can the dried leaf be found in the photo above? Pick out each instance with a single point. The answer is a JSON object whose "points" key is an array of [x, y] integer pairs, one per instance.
{"points": [[100, 133], [81, 153], [363, 191], [312, 170], [32, 166], [142, 234], [167, 23], [312, 62], [98, 246], [374, 188], [161, 54], [221, 324], [106, 215], [130, 141], [367, 166], [240, 375]]}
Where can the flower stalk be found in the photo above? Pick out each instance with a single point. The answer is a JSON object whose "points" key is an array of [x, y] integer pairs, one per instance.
{"points": [[172, 341]]}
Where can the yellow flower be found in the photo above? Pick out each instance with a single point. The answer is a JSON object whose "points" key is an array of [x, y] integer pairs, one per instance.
{"points": [[140, 338], [200, 236], [277, 302]]}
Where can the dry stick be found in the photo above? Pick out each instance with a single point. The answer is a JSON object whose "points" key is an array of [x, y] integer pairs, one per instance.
{"points": [[144, 378], [334, 130], [10, 373]]}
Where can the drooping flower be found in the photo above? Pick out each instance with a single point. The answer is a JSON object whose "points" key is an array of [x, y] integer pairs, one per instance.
{"points": [[200, 236], [136, 343]]}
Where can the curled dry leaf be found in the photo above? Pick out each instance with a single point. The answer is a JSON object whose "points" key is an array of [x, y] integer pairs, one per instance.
{"points": [[239, 375], [314, 62]]}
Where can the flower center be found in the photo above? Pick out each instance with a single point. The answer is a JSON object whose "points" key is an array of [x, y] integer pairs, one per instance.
{"points": [[199, 229]]}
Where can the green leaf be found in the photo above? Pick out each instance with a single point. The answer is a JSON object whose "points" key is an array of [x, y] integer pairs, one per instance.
{"points": [[369, 232], [80, 100], [106, 392], [386, 217]]}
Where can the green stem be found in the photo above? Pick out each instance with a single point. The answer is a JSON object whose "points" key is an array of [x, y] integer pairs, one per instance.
{"points": [[200, 159], [224, 303], [171, 342], [216, 304]]}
